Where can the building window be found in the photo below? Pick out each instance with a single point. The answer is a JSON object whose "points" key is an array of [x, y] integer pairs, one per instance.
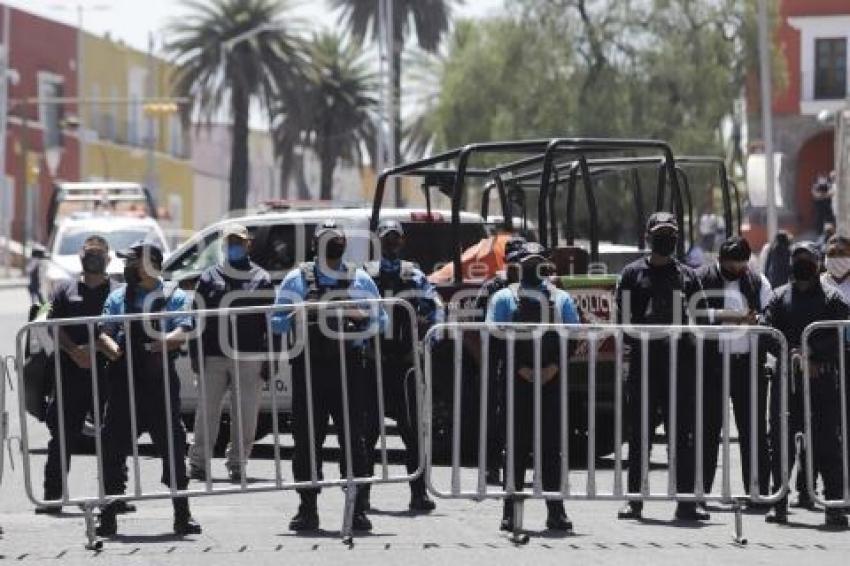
{"points": [[50, 113], [830, 68]]}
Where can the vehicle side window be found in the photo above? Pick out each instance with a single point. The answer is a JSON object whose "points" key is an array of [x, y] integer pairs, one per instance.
{"points": [[205, 253], [280, 247]]}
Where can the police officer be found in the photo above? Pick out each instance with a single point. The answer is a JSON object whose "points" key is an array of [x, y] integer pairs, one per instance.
{"points": [[793, 307], [235, 282], [655, 290], [535, 300], [327, 278], [144, 292], [395, 277], [496, 391], [76, 298]]}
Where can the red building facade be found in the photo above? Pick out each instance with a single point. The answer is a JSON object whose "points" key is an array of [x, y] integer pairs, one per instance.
{"points": [[43, 63], [814, 39]]}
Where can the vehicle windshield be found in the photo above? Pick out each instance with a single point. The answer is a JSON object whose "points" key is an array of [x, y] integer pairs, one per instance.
{"points": [[70, 241]]}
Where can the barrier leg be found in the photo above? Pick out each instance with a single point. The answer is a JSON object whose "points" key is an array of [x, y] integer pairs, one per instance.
{"points": [[738, 509], [518, 536], [348, 514], [93, 543]]}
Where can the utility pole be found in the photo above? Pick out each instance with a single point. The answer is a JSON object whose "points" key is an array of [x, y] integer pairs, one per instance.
{"points": [[5, 214], [765, 60], [150, 169], [842, 167]]}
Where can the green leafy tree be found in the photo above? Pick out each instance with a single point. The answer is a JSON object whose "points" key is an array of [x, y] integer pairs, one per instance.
{"points": [[252, 71], [332, 111]]}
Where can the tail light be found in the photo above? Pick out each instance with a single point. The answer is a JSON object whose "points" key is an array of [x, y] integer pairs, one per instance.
{"points": [[426, 217]]}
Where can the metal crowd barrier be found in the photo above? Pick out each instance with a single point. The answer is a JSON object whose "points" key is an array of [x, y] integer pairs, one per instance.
{"points": [[834, 417], [476, 487], [4, 416], [88, 502]]}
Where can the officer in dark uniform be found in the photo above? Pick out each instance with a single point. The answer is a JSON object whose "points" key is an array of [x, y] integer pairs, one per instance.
{"points": [[793, 307], [535, 300], [735, 296], [144, 292], [80, 297], [395, 277], [655, 290], [327, 278]]}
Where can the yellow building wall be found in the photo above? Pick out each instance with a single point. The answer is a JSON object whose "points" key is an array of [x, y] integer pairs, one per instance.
{"points": [[108, 151]]}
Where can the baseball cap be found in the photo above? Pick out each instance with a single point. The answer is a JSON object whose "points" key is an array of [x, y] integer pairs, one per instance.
{"points": [[389, 226], [236, 231], [139, 248], [329, 228], [532, 251], [805, 246], [659, 220]]}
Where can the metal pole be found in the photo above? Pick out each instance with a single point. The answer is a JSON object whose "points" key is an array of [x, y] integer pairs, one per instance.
{"points": [[5, 215], [767, 116], [150, 167], [842, 166], [81, 80]]}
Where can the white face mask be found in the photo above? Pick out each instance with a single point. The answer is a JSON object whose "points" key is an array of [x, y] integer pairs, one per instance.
{"points": [[838, 267]]}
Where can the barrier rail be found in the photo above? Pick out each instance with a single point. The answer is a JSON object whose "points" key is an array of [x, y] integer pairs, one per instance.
{"points": [[4, 416], [832, 449], [640, 337], [300, 346]]}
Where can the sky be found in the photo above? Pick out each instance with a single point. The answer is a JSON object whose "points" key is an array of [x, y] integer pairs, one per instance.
{"points": [[133, 20]]}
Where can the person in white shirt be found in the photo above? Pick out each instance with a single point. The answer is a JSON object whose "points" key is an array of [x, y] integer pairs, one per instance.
{"points": [[735, 295]]}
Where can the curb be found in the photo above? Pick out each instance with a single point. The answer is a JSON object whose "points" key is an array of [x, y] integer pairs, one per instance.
{"points": [[13, 282]]}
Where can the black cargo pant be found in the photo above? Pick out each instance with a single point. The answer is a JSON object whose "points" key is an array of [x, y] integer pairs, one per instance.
{"points": [[550, 441], [658, 404], [152, 417], [327, 402], [740, 392], [399, 391], [77, 402]]}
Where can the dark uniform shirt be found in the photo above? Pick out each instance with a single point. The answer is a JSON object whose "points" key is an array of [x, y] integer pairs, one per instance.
{"points": [[791, 310], [212, 292], [75, 299], [649, 294]]}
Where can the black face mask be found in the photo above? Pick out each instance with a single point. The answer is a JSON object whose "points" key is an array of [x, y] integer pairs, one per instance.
{"points": [[131, 275], [93, 263], [334, 249], [804, 270], [391, 253], [531, 275], [730, 275], [663, 244]]}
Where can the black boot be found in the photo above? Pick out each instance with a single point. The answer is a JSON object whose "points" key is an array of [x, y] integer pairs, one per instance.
{"points": [[631, 510], [778, 514], [419, 500], [307, 518], [107, 524], [836, 518], [360, 522], [689, 511], [184, 524], [507, 524], [557, 519], [364, 498]]}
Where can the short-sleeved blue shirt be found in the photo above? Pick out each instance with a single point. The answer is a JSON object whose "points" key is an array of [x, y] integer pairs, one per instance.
{"points": [[294, 285], [177, 301], [503, 305]]}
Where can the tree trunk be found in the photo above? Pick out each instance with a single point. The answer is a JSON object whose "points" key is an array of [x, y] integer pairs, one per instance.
{"points": [[239, 151], [303, 189], [328, 164], [398, 44]]}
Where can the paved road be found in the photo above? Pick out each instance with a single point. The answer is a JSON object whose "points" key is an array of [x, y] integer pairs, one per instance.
{"points": [[252, 528]]}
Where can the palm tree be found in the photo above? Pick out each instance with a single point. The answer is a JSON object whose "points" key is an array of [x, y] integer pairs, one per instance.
{"points": [[332, 113], [251, 71], [430, 20]]}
